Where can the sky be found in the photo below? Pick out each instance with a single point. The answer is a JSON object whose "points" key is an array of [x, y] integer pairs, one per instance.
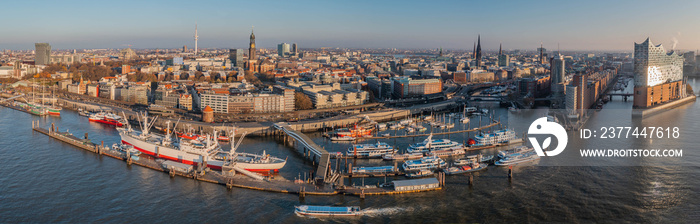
{"points": [[574, 25]]}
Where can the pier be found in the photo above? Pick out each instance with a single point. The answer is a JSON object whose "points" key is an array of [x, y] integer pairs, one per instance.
{"points": [[312, 151]]}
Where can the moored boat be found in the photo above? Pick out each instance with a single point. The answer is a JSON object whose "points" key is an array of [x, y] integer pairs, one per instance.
{"points": [[403, 156], [518, 158], [494, 138], [376, 150], [430, 162], [472, 167], [420, 173], [432, 144]]}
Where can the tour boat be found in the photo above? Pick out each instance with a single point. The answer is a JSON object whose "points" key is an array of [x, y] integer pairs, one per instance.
{"points": [[472, 167], [374, 169], [404, 156], [376, 150], [430, 162], [106, 118], [518, 158], [327, 210], [342, 138], [494, 138], [514, 151], [55, 111], [420, 173], [473, 159], [433, 144], [447, 152]]}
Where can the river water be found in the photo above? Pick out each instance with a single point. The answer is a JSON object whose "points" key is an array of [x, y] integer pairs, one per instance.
{"points": [[43, 180]]}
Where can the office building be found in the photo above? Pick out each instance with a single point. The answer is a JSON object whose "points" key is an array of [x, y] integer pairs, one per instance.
{"points": [[283, 49], [407, 87], [42, 54], [236, 57]]}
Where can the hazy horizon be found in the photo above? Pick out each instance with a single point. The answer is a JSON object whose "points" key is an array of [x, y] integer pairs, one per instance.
{"points": [[611, 26]]}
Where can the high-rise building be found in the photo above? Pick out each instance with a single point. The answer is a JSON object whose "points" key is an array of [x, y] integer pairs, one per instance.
{"points": [[557, 71], [283, 49], [503, 59], [184, 48], [542, 53], [658, 76], [295, 50], [42, 53], [689, 57], [236, 57]]}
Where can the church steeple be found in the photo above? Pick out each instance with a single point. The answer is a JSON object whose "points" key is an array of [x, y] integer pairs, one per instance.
{"points": [[251, 47], [500, 49], [478, 51]]}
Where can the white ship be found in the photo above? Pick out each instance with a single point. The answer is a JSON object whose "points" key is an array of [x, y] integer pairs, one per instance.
{"points": [[518, 158], [433, 144], [430, 162], [376, 150], [494, 138]]}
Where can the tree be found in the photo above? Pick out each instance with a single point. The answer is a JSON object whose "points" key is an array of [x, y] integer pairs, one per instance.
{"points": [[302, 101]]}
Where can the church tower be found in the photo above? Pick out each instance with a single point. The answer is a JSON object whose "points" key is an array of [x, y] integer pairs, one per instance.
{"points": [[252, 61]]}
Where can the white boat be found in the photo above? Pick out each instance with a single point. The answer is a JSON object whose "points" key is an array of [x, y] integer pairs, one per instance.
{"points": [[410, 130], [342, 138], [376, 150], [470, 109], [403, 156], [514, 151], [468, 168], [473, 159], [381, 126], [518, 158], [327, 210], [373, 169], [420, 173], [494, 138], [464, 120], [386, 135], [430, 162], [447, 152], [433, 144]]}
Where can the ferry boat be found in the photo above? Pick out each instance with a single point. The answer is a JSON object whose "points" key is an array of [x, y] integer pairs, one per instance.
{"points": [[420, 173], [447, 152], [473, 159], [429, 144], [355, 131], [430, 162], [106, 118], [472, 167], [404, 156], [514, 151], [376, 150], [374, 169], [327, 210], [518, 158], [495, 138], [342, 138]]}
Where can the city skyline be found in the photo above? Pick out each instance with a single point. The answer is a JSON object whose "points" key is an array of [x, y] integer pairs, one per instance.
{"points": [[404, 25]]}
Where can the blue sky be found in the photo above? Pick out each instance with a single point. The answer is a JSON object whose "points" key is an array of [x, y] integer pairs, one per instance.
{"points": [[575, 25]]}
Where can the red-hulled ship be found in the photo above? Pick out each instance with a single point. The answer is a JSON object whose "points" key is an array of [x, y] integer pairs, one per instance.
{"points": [[107, 118]]}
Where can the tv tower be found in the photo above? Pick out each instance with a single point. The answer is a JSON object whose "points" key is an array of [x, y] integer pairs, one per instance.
{"points": [[196, 38]]}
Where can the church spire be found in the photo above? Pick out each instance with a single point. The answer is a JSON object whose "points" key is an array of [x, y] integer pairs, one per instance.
{"points": [[478, 51], [500, 49]]}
